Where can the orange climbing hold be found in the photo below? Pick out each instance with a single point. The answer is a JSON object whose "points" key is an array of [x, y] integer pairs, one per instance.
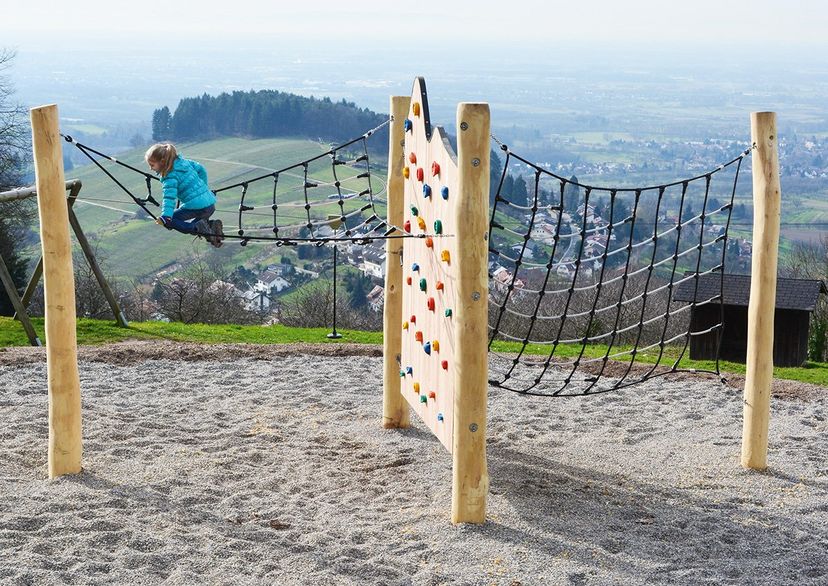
{"points": [[429, 242], [415, 107], [421, 223], [445, 256], [412, 157], [418, 336], [440, 286], [432, 395]]}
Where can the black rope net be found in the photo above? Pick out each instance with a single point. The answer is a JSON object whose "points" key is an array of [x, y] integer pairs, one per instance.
{"points": [[329, 197], [584, 280]]}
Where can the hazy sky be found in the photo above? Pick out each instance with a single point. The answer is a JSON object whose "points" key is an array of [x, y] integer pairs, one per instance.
{"points": [[413, 22]]}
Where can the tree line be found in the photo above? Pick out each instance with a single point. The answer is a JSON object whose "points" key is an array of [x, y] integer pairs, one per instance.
{"points": [[264, 114]]}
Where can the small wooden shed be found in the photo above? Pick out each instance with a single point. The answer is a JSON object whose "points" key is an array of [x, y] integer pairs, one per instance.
{"points": [[796, 299]]}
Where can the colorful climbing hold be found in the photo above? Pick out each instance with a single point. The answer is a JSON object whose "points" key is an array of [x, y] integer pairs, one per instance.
{"points": [[407, 125], [416, 387], [438, 227], [436, 345], [427, 348], [418, 336], [432, 395], [415, 107], [429, 242], [445, 256], [402, 374], [423, 399], [406, 172], [408, 280], [448, 312], [430, 303], [440, 417], [405, 325], [414, 211], [415, 267], [435, 168], [407, 226], [412, 158], [413, 319], [426, 190], [421, 223], [420, 174], [440, 286], [423, 285], [444, 364], [444, 192], [409, 370]]}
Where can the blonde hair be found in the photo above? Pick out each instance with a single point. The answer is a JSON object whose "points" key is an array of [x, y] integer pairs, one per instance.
{"points": [[164, 153]]}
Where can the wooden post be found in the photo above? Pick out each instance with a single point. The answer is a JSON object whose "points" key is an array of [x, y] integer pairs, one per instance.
{"points": [[65, 448], [470, 482], [11, 291], [766, 217], [395, 411]]}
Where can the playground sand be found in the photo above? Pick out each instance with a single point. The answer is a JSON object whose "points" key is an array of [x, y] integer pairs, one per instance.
{"points": [[271, 467]]}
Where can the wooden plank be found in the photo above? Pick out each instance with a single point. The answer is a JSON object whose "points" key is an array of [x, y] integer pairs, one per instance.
{"points": [[429, 389]]}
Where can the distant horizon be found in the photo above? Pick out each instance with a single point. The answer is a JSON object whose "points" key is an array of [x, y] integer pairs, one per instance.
{"points": [[421, 23]]}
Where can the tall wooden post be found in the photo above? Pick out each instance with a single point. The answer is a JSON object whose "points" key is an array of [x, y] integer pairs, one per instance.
{"points": [[65, 448], [766, 217], [395, 411], [470, 482]]}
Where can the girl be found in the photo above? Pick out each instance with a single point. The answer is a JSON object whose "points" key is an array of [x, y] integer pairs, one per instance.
{"points": [[185, 181]]}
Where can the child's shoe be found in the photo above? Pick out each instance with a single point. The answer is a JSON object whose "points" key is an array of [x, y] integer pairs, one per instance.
{"points": [[217, 232]]}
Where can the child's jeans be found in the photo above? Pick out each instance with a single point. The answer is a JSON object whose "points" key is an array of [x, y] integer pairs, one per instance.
{"points": [[184, 220]]}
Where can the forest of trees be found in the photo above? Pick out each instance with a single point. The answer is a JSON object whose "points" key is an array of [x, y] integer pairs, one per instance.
{"points": [[264, 114]]}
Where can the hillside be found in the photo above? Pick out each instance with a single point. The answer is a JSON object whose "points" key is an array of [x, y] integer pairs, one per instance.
{"points": [[136, 248]]}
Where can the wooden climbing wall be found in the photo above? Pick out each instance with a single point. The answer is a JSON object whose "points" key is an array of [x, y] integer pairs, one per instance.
{"points": [[429, 284]]}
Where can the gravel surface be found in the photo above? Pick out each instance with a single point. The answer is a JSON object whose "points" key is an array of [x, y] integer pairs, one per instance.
{"points": [[235, 464]]}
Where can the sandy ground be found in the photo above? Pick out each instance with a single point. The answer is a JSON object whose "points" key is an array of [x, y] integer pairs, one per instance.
{"points": [[263, 465]]}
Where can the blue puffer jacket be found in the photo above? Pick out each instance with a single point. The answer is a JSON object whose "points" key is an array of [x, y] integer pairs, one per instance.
{"points": [[186, 182]]}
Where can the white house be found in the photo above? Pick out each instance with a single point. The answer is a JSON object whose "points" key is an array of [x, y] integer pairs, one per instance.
{"points": [[373, 263], [376, 298], [271, 282]]}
